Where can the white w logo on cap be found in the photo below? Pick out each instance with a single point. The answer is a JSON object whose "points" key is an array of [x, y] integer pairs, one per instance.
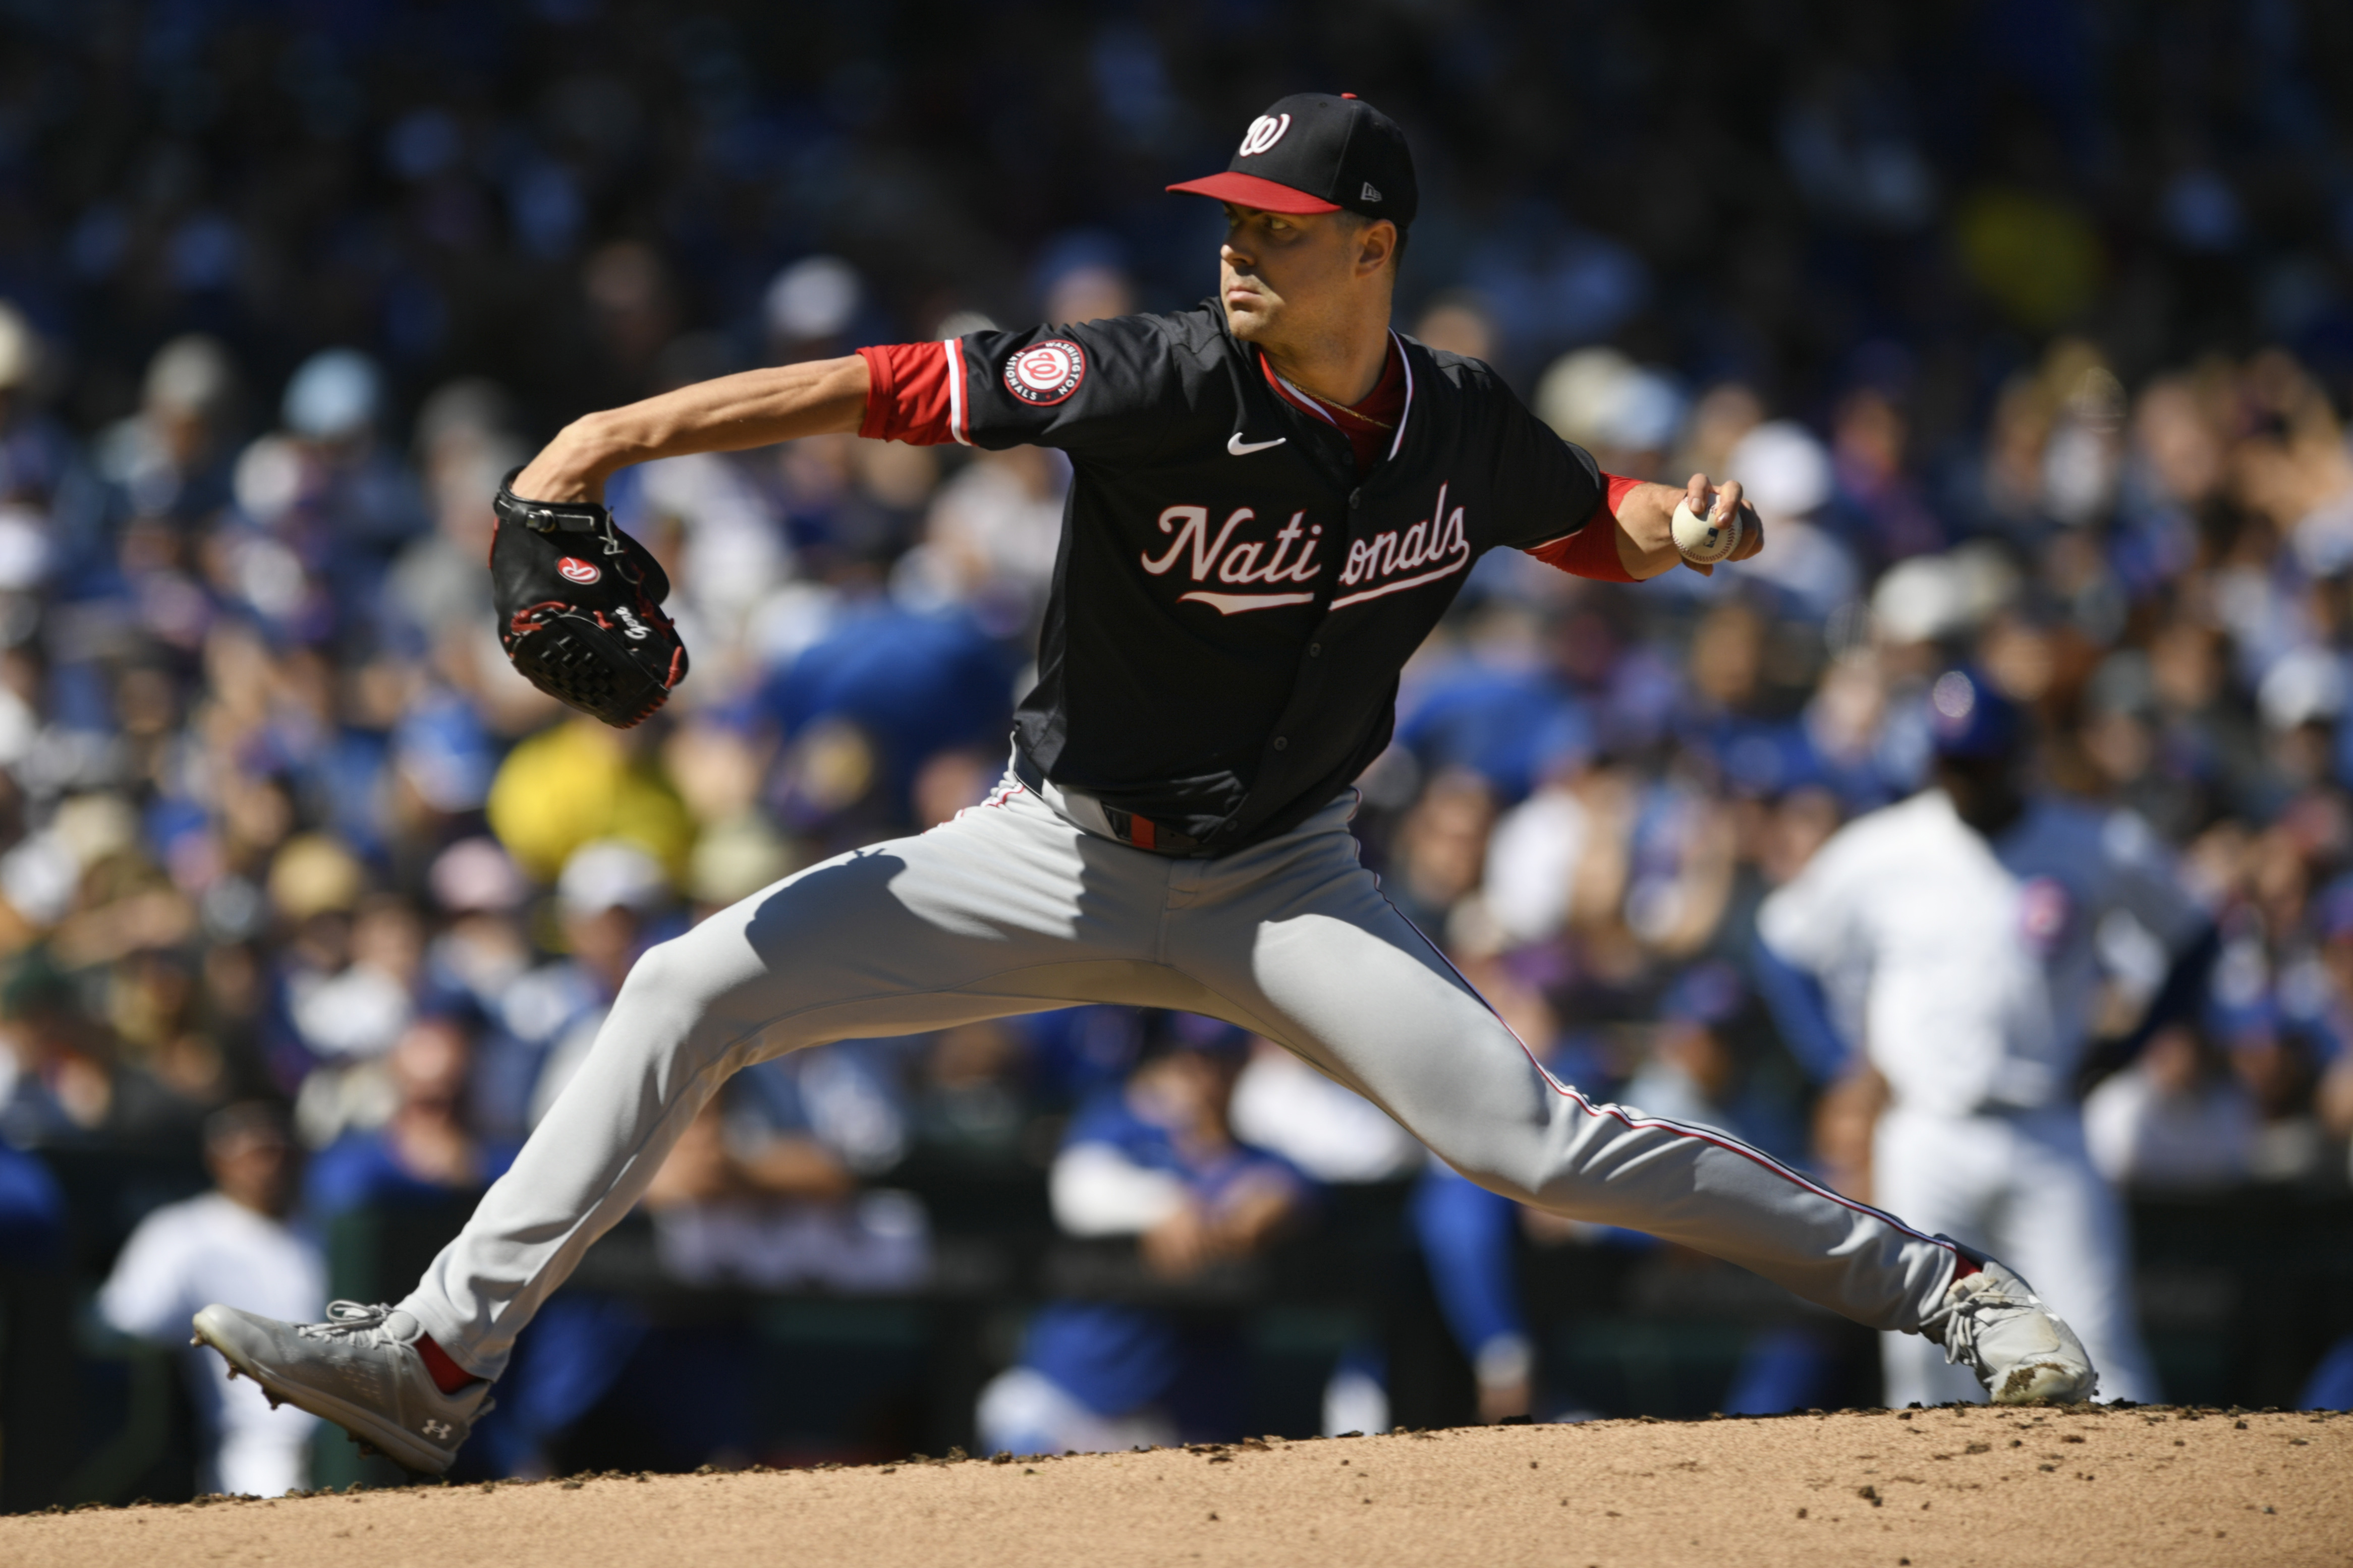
{"points": [[1264, 132]]}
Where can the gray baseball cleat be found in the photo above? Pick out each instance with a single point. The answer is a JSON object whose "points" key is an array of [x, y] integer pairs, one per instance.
{"points": [[360, 1369], [1992, 1322]]}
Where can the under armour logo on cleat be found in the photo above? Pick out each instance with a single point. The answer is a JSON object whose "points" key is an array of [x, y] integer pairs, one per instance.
{"points": [[438, 1429]]}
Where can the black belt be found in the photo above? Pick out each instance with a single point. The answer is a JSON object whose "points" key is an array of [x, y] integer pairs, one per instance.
{"points": [[1127, 827]]}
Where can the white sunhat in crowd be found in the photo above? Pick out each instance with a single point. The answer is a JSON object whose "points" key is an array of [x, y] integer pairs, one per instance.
{"points": [[611, 874], [192, 374], [336, 394], [2305, 687], [1932, 596], [476, 874], [813, 300], [1783, 468], [1598, 397]]}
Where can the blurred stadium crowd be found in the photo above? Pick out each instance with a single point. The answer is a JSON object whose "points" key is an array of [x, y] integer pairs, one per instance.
{"points": [[2030, 328]]}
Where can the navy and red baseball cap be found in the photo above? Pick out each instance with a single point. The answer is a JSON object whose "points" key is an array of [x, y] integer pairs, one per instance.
{"points": [[1314, 153]]}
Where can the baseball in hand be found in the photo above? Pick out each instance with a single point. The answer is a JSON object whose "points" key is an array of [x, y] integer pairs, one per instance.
{"points": [[1702, 541]]}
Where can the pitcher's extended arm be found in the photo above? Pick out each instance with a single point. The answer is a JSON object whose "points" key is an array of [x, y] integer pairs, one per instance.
{"points": [[728, 414]]}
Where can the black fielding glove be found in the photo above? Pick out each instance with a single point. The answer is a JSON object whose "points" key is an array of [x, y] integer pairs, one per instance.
{"points": [[579, 605]]}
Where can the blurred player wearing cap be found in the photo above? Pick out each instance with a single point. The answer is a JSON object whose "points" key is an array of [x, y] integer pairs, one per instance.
{"points": [[1274, 498], [1956, 935]]}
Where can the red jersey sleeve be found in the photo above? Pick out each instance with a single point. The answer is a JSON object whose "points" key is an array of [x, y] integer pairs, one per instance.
{"points": [[913, 394], [1592, 551]]}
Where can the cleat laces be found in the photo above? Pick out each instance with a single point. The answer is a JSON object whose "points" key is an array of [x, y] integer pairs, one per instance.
{"points": [[353, 1321], [1964, 1317]]}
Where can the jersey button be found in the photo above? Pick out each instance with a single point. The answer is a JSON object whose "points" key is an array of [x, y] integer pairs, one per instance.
{"points": [[1355, 500], [1315, 651], [1279, 743]]}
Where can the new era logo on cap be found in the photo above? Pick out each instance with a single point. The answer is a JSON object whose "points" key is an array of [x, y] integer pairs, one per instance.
{"points": [[1314, 153]]}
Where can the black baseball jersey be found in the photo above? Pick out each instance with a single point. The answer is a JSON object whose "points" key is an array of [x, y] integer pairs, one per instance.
{"points": [[1231, 605]]}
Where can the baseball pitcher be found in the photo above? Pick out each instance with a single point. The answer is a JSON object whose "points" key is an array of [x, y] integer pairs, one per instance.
{"points": [[1274, 498]]}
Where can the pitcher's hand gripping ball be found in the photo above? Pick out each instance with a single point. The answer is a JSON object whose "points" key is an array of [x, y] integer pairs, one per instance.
{"points": [[1706, 539], [579, 606]]}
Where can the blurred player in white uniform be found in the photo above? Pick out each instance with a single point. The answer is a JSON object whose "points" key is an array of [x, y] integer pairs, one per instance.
{"points": [[1953, 937], [232, 1244]]}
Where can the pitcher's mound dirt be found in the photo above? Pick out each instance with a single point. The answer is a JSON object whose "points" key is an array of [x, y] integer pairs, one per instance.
{"points": [[1936, 1489]]}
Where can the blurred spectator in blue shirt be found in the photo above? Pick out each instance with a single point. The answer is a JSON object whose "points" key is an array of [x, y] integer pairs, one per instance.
{"points": [[881, 691], [1440, 849], [1733, 717], [764, 1187], [166, 469], [1157, 1162], [32, 1212], [169, 461], [1496, 709], [351, 1018], [610, 900], [323, 506], [425, 1153]]}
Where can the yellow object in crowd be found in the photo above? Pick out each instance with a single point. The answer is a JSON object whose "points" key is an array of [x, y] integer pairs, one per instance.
{"points": [[578, 782]]}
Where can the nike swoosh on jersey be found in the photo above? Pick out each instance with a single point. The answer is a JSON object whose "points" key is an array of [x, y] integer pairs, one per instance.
{"points": [[1235, 603], [1236, 446]]}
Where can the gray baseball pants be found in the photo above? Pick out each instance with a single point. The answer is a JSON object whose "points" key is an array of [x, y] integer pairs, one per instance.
{"points": [[1013, 908]]}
